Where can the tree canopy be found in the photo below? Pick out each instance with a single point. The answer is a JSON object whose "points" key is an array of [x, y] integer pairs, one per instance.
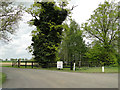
{"points": [[9, 16], [48, 19], [73, 46], [103, 26]]}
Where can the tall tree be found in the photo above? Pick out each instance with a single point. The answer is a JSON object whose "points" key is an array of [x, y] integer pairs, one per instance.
{"points": [[48, 19], [119, 35], [73, 46], [10, 14], [103, 26]]}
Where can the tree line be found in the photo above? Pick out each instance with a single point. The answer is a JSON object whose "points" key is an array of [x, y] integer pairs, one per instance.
{"points": [[54, 39]]}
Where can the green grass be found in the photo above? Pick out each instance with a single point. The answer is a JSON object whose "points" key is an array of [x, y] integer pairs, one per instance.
{"points": [[5, 61], [82, 69], [2, 78]]}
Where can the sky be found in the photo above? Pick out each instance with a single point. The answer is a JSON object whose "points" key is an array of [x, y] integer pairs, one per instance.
{"points": [[22, 38]]}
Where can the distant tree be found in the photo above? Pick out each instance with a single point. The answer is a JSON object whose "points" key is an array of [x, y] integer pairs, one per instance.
{"points": [[48, 19], [1, 59], [6, 59], [12, 59], [10, 14], [22, 59], [26, 59], [103, 26]]}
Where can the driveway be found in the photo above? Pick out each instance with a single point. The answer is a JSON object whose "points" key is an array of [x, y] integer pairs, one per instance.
{"points": [[34, 78]]}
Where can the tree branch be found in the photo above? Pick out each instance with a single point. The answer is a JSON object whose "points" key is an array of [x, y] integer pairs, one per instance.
{"points": [[94, 35]]}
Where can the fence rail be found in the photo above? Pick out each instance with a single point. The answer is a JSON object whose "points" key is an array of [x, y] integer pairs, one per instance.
{"points": [[25, 63], [51, 64]]}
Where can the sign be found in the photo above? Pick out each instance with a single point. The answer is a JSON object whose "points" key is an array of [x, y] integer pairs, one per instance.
{"points": [[59, 64], [74, 67]]}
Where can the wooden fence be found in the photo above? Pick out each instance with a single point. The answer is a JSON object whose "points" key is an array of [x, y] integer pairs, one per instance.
{"points": [[35, 64], [25, 63], [51, 64]]}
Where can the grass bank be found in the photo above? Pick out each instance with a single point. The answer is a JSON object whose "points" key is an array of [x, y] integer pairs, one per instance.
{"points": [[82, 69], [2, 78]]}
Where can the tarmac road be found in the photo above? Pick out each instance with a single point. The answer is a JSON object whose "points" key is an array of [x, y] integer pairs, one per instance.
{"points": [[34, 78]]}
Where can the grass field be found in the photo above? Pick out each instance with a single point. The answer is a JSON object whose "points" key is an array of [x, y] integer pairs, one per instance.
{"points": [[82, 69], [2, 78]]}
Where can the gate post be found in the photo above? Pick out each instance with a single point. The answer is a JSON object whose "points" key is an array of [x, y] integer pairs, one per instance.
{"points": [[71, 65], [32, 64], [19, 63]]}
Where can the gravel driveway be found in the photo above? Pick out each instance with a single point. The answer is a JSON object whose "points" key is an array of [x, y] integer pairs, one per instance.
{"points": [[34, 78]]}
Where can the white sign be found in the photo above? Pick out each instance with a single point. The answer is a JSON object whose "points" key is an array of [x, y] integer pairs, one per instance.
{"points": [[102, 68], [60, 64]]}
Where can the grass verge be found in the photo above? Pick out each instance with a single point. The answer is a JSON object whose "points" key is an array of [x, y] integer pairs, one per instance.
{"points": [[82, 69], [2, 78]]}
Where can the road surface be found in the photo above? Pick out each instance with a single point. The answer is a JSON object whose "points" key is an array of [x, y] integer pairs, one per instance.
{"points": [[34, 78]]}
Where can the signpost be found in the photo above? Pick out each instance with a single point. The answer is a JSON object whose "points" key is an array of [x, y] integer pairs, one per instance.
{"points": [[60, 64], [102, 68]]}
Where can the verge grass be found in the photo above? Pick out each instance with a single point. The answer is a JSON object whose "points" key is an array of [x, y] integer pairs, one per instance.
{"points": [[82, 69], [2, 78]]}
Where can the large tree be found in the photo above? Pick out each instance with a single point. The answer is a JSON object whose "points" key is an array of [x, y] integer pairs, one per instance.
{"points": [[103, 26], [10, 14], [48, 19]]}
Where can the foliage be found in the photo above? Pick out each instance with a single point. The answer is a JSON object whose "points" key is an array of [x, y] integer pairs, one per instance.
{"points": [[103, 26], [13, 60], [48, 18], [10, 14], [73, 46], [98, 56]]}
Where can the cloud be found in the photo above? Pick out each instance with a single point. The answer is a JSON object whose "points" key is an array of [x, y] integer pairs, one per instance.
{"points": [[20, 41], [85, 8]]}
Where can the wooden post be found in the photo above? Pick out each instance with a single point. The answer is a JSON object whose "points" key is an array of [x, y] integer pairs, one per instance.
{"points": [[19, 63], [12, 63], [32, 64], [25, 64]]}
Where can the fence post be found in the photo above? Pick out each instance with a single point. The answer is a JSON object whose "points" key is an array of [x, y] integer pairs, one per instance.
{"points": [[25, 64], [19, 63], [32, 64], [12, 63], [71, 65]]}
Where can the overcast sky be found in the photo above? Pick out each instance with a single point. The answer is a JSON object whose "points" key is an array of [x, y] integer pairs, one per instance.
{"points": [[22, 39]]}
